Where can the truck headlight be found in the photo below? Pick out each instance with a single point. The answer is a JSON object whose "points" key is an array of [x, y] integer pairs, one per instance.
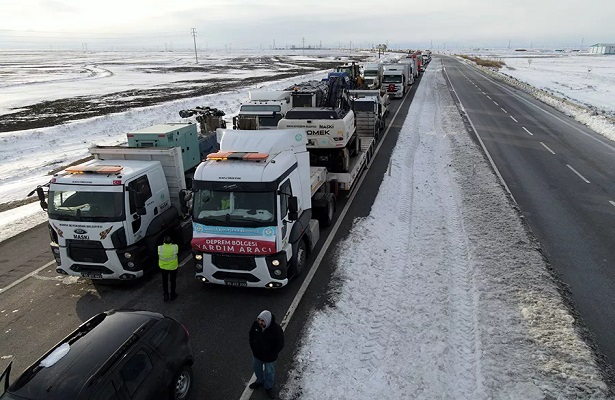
{"points": [[127, 255], [277, 272], [275, 263], [198, 257]]}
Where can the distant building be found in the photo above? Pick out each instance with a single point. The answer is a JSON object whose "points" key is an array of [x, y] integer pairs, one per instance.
{"points": [[602, 48]]}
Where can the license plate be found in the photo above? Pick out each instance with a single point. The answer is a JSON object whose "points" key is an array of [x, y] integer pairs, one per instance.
{"points": [[91, 276], [236, 283]]}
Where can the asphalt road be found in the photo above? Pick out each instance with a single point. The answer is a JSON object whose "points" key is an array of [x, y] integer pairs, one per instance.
{"points": [[38, 311], [562, 175]]}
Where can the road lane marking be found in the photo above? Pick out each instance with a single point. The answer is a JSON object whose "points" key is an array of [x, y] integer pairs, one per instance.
{"points": [[513, 118], [525, 129], [575, 171], [23, 278], [504, 110], [547, 147], [480, 140], [489, 97], [612, 202], [495, 103]]}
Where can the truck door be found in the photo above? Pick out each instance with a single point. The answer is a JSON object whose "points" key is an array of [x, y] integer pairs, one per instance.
{"points": [[287, 191], [139, 192]]}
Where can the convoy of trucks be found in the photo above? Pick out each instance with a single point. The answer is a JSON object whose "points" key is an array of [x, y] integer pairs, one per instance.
{"points": [[250, 200]]}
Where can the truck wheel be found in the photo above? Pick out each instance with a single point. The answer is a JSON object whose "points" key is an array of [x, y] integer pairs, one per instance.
{"points": [[298, 262], [324, 214], [344, 160]]}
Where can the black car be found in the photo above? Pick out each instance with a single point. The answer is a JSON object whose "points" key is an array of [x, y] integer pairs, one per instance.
{"points": [[121, 354]]}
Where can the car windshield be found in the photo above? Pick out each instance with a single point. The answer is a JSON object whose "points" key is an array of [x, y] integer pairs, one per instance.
{"points": [[86, 206], [213, 207]]}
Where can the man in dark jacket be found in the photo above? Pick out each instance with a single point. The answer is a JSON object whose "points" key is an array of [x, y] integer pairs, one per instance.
{"points": [[266, 341]]}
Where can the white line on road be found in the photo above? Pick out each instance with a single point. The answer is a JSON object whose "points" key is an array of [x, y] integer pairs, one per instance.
{"points": [[489, 97], [575, 171], [504, 110], [495, 103], [513, 118], [480, 140], [547, 147], [23, 278], [525, 129], [612, 202]]}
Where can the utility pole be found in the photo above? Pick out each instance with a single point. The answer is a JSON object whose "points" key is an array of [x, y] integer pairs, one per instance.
{"points": [[274, 44], [194, 37], [303, 46], [350, 48], [508, 43]]}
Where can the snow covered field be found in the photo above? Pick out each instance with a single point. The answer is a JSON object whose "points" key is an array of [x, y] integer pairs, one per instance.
{"points": [[439, 293]]}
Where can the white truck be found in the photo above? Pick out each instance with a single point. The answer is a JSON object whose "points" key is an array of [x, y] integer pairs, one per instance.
{"points": [[394, 82], [372, 74], [370, 109], [263, 110], [108, 215], [257, 208]]}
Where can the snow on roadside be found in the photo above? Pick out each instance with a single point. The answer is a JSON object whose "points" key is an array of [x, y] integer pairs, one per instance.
{"points": [[464, 305]]}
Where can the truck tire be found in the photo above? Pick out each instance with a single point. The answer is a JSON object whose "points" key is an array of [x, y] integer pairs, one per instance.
{"points": [[343, 164], [325, 211], [298, 262]]}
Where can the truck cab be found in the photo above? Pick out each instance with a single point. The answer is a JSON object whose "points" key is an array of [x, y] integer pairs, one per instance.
{"points": [[394, 81], [263, 110], [372, 74], [108, 215], [99, 210], [252, 209]]}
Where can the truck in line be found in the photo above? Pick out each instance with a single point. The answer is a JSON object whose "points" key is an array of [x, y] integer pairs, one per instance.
{"points": [[372, 74], [108, 215], [263, 110], [371, 109], [395, 79], [257, 208]]}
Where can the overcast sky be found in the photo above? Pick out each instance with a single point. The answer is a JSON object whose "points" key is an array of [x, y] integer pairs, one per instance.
{"points": [[157, 24]]}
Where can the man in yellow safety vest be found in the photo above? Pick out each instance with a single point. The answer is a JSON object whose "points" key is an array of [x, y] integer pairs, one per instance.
{"points": [[168, 263]]}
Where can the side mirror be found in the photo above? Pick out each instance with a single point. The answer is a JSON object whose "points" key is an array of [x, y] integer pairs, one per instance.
{"points": [[41, 196], [293, 208]]}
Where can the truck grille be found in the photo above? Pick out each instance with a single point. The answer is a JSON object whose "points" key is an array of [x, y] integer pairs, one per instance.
{"points": [[237, 263], [86, 251]]}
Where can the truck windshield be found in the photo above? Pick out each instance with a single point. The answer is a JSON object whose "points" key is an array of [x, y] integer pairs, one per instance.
{"points": [[260, 108], [391, 79], [86, 206], [370, 72], [223, 208]]}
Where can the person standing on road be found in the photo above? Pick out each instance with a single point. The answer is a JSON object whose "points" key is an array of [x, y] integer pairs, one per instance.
{"points": [[168, 263], [266, 342]]}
